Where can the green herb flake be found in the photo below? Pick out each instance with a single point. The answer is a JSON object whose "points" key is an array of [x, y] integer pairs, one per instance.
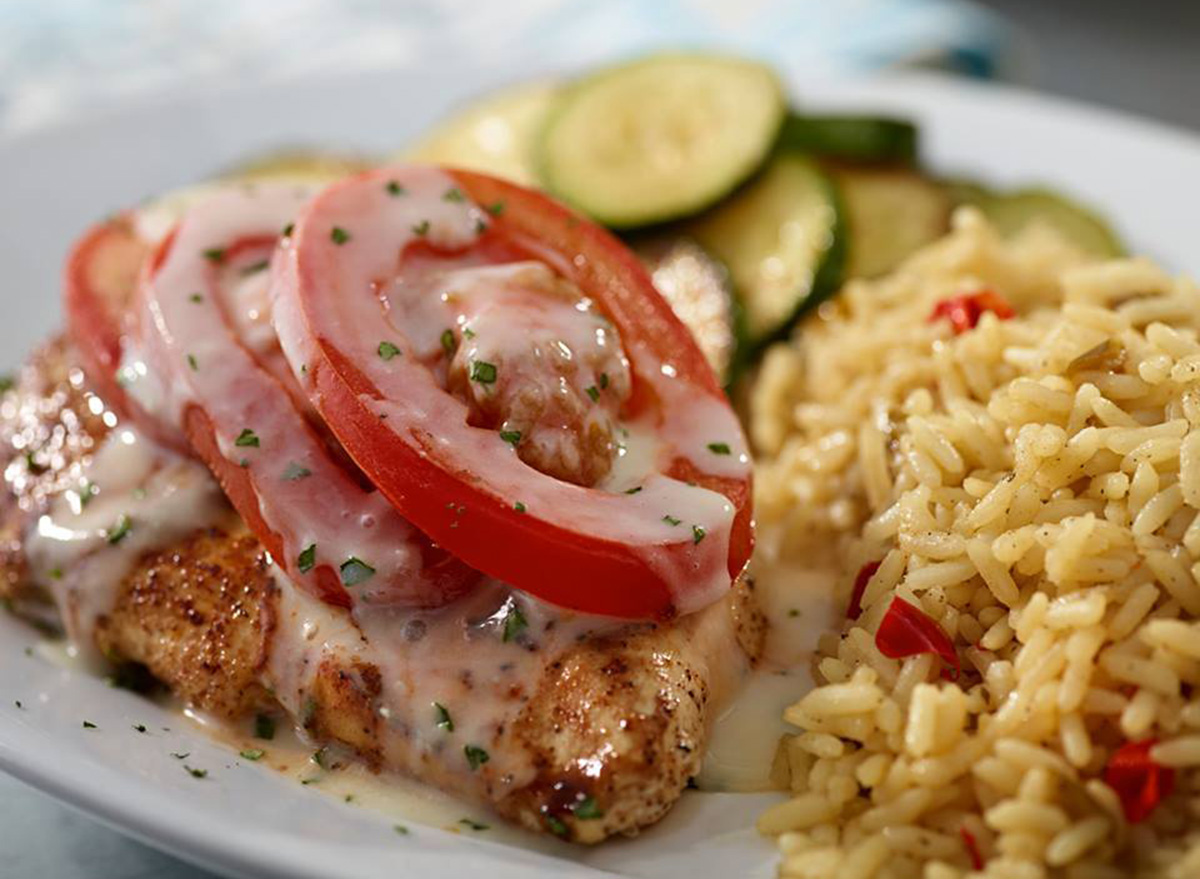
{"points": [[519, 507], [400, 829], [264, 727], [182, 756], [449, 343], [56, 573], [793, 612], [480, 227], [387, 350], [698, 534], [288, 229], [604, 381], [593, 392], [215, 254], [557, 826], [421, 228], [671, 520], [476, 756], [196, 298], [139, 727], [454, 194], [319, 757], [87, 724], [120, 530], [719, 448], [468, 333], [17, 702], [295, 472], [338, 235], [496, 208], [587, 809], [472, 824], [255, 268], [512, 437], [191, 361], [247, 438], [514, 624], [633, 490], [87, 491], [349, 798], [394, 188], [444, 720], [355, 571], [196, 773], [253, 754], [7, 383], [483, 372], [307, 558]]}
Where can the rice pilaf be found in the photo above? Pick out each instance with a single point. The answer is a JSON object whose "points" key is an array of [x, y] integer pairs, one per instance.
{"points": [[1030, 487]]}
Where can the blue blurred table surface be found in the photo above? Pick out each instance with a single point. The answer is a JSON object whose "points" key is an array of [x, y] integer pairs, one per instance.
{"points": [[60, 57]]}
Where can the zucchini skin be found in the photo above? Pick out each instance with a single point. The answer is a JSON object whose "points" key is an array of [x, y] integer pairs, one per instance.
{"points": [[852, 138]]}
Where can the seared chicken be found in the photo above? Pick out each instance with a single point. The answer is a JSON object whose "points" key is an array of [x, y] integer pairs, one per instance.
{"points": [[566, 725]]}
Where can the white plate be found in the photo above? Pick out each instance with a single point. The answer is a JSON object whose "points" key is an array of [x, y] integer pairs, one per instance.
{"points": [[245, 819]]}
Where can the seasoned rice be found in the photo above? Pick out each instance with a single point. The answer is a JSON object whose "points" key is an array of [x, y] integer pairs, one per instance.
{"points": [[1032, 485]]}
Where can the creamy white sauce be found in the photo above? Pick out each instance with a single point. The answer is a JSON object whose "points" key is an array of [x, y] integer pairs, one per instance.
{"points": [[134, 498]]}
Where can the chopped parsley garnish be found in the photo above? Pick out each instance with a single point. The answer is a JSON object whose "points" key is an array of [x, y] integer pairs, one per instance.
{"points": [[121, 530], [287, 230], [6, 383], [244, 462], [514, 624], [32, 464], [480, 227], [671, 520], [87, 724], [355, 571], [87, 491], [215, 254], [394, 188], [512, 437], [318, 757], [593, 392], [196, 773], [468, 333], [483, 372], [140, 727], [349, 798], [401, 829], [255, 268], [449, 344], [253, 754], [247, 438], [476, 756], [604, 381], [191, 359], [474, 825], [295, 472], [719, 448], [307, 558], [453, 194], [444, 720], [587, 809], [421, 228], [338, 235], [793, 612], [387, 350], [519, 507], [196, 298], [633, 490], [697, 534], [17, 702], [56, 573], [264, 727], [557, 826], [496, 208]]}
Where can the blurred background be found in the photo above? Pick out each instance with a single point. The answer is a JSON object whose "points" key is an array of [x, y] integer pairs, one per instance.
{"points": [[61, 59]]}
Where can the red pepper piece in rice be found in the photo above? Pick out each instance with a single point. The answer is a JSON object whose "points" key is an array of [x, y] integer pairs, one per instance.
{"points": [[972, 846], [865, 573], [1139, 782], [964, 311], [908, 631]]}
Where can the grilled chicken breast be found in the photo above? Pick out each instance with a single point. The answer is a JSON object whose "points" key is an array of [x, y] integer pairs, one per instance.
{"points": [[561, 723]]}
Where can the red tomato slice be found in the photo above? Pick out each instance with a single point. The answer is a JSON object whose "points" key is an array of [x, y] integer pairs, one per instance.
{"points": [[334, 538], [669, 544], [98, 289]]}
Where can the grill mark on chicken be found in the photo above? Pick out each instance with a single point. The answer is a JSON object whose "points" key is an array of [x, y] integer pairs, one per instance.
{"points": [[617, 721]]}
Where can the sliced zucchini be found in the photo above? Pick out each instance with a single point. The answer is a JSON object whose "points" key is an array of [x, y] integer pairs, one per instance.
{"points": [[782, 238], [660, 138], [1010, 212], [307, 165], [698, 290], [494, 135], [851, 138], [890, 212]]}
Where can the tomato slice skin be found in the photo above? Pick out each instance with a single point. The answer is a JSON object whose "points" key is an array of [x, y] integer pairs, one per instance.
{"points": [[459, 505]]}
